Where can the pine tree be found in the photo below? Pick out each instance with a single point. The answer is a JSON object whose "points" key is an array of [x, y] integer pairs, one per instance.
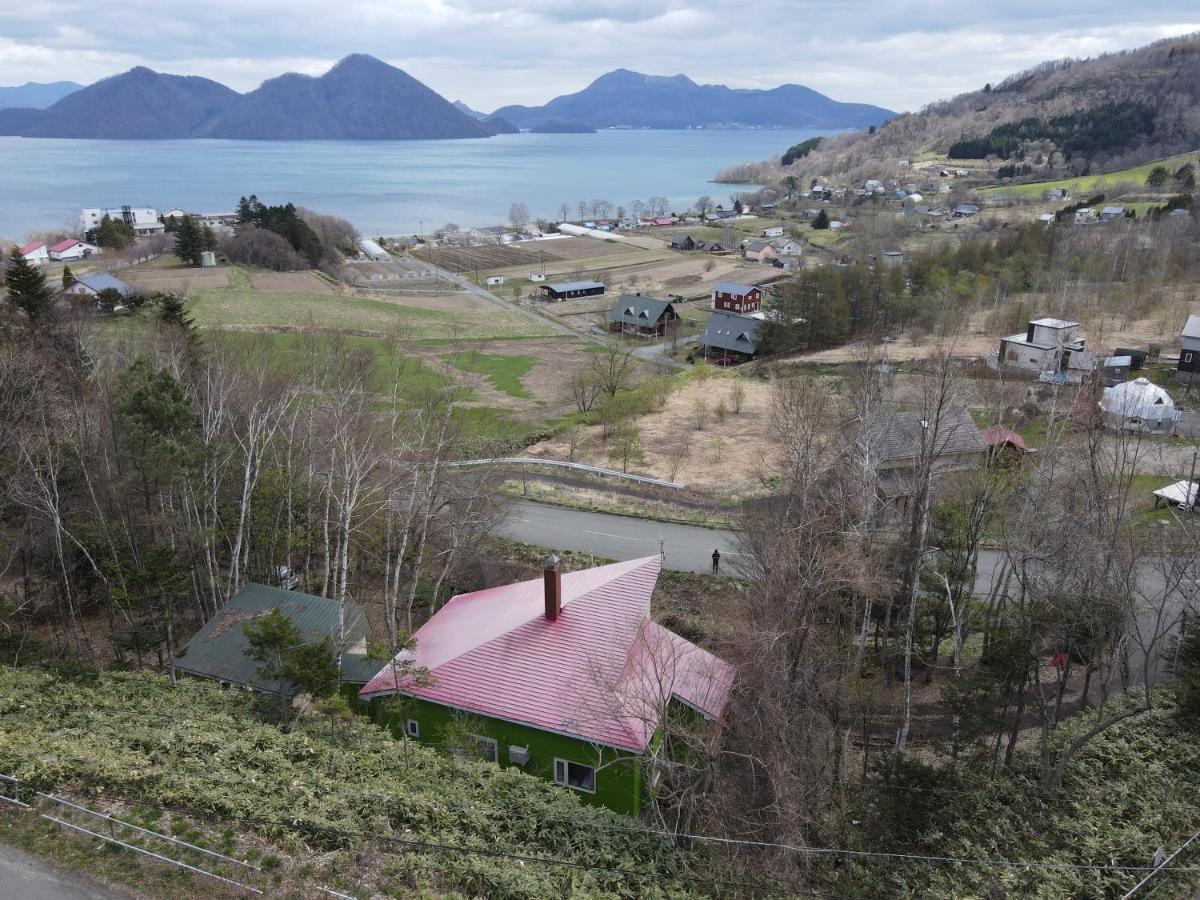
{"points": [[68, 277], [821, 221], [189, 241], [26, 287]]}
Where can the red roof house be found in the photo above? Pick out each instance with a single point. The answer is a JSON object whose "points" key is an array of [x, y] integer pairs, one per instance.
{"points": [[562, 675]]}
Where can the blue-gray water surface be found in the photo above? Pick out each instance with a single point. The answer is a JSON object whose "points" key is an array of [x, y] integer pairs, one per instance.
{"points": [[383, 187]]}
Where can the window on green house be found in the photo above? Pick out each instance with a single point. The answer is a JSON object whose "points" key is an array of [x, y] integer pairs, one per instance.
{"points": [[412, 728], [575, 775], [486, 748]]}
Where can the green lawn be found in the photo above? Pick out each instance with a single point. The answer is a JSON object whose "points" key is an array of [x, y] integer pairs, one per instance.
{"points": [[243, 307], [1092, 184], [503, 371], [388, 367]]}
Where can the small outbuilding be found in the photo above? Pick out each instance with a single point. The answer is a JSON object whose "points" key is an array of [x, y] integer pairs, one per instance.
{"points": [[92, 285], [1181, 494], [219, 650], [1005, 446], [1139, 405], [569, 290], [683, 242]]}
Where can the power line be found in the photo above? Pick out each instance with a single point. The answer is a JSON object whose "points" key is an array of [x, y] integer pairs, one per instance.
{"points": [[1161, 867]]}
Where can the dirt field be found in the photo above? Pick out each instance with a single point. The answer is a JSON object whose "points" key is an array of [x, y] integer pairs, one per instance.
{"points": [[305, 282], [175, 278], [725, 459]]}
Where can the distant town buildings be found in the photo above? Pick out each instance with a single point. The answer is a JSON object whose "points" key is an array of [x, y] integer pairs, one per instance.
{"points": [[142, 219]]}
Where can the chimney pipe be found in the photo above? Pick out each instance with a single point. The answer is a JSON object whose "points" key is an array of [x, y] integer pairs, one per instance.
{"points": [[552, 578]]}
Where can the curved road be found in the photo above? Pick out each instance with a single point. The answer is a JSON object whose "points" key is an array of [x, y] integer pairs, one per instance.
{"points": [[688, 548]]}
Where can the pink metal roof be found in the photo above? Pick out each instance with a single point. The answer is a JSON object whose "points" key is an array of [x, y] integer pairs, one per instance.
{"points": [[29, 248], [995, 435], [601, 671], [64, 245]]}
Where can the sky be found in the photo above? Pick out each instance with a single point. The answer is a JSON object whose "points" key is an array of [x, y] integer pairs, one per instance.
{"points": [[900, 54]]}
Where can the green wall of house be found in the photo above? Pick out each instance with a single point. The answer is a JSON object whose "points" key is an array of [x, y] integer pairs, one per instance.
{"points": [[618, 783]]}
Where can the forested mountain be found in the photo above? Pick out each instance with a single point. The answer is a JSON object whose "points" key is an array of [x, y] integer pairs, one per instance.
{"points": [[1064, 117], [361, 98], [35, 95], [139, 103], [626, 98]]}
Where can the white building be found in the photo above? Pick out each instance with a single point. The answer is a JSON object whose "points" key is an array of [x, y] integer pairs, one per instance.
{"points": [[1046, 346], [773, 231], [536, 276], [142, 219], [1139, 405], [71, 249], [374, 251], [36, 254], [495, 280]]}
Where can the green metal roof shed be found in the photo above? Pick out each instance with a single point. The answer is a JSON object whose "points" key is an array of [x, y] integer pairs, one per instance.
{"points": [[218, 650]]}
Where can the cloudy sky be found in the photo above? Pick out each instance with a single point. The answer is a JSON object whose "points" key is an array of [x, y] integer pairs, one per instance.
{"points": [[899, 54]]}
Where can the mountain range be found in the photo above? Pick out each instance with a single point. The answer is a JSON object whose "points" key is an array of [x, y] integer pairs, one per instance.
{"points": [[632, 99], [360, 98], [363, 98], [35, 95]]}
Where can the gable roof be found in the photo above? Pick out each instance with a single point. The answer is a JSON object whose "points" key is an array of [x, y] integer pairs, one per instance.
{"points": [[30, 248], [64, 245], [997, 436], [897, 436], [218, 650], [757, 246], [99, 281], [732, 287], [1192, 328], [597, 673], [732, 333], [634, 309]]}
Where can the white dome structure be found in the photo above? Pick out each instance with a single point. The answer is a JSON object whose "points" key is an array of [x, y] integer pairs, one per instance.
{"points": [[1139, 405]]}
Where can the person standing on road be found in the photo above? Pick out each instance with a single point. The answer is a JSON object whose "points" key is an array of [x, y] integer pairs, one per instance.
{"points": [[716, 561]]}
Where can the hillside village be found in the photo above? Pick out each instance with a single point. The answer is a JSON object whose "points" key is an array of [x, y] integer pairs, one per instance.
{"points": [[628, 552]]}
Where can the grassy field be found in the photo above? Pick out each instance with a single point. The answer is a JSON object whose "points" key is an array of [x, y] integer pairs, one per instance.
{"points": [[244, 308], [389, 370], [1092, 184], [503, 371]]}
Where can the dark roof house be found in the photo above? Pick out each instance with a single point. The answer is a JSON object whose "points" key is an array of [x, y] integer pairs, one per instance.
{"points": [[731, 335], [635, 314], [219, 649]]}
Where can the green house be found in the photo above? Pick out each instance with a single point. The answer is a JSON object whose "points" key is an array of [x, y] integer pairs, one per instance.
{"points": [[565, 676]]}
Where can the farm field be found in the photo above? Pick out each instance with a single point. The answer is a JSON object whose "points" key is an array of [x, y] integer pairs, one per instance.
{"points": [[248, 309], [307, 281], [175, 277], [1090, 184]]}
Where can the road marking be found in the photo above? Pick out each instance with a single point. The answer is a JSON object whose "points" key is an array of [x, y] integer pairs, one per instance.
{"points": [[618, 537]]}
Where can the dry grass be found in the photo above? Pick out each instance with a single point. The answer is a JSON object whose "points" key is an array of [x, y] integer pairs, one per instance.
{"points": [[304, 282], [725, 459]]}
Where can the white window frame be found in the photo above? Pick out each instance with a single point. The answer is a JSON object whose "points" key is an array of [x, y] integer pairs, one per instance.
{"points": [[412, 728], [566, 771], [1187, 356], [485, 742]]}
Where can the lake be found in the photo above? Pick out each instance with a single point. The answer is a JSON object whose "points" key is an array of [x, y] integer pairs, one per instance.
{"points": [[383, 187]]}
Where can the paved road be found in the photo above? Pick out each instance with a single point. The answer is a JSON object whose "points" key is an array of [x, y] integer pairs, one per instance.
{"points": [[688, 547], [29, 877]]}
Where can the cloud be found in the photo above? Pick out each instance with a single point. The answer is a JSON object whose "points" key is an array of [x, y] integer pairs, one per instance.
{"points": [[493, 52]]}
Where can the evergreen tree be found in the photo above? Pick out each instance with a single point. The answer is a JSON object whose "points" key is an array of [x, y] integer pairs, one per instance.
{"points": [[189, 241], [68, 277], [1187, 676], [26, 287], [172, 313], [113, 233], [287, 659], [821, 221]]}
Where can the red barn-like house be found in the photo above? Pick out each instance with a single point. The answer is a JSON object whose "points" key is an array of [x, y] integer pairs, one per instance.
{"points": [[729, 296]]}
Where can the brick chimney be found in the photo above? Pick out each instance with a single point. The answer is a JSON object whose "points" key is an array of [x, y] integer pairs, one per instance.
{"points": [[553, 581]]}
